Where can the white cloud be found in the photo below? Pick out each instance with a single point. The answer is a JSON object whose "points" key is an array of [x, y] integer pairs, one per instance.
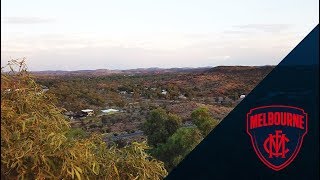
{"points": [[264, 27], [26, 20], [85, 51]]}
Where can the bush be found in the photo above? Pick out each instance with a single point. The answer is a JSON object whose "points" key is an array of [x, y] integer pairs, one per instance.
{"points": [[203, 120], [160, 126], [180, 144]]}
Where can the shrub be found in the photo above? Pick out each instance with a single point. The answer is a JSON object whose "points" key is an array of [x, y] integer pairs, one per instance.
{"points": [[203, 120], [160, 126], [180, 144]]}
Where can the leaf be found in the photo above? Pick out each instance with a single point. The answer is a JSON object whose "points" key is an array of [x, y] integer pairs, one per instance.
{"points": [[78, 169], [78, 175], [51, 134], [94, 169], [23, 126], [72, 173], [115, 169]]}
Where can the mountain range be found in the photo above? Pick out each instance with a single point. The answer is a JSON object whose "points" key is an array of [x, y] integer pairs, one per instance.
{"points": [[153, 70]]}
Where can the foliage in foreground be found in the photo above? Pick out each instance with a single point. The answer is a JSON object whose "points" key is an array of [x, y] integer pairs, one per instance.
{"points": [[171, 142], [35, 142], [160, 126], [203, 120], [179, 145]]}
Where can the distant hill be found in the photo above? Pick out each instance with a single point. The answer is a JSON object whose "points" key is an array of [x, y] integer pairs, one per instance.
{"points": [[235, 70], [105, 72], [239, 69]]}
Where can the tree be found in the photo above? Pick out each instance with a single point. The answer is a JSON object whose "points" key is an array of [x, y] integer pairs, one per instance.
{"points": [[160, 126], [36, 142], [181, 143], [173, 91], [203, 120], [189, 93]]}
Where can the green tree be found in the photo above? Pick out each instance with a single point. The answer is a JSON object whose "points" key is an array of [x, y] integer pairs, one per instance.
{"points": [[203, 120], [180, 144], [173, 91], [160, 126]]}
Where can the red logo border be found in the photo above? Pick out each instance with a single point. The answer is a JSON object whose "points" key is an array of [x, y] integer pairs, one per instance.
{"points": [[267, 163]]}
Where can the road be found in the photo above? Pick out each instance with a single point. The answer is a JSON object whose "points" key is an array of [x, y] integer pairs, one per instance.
{"points": [[138, 133]]}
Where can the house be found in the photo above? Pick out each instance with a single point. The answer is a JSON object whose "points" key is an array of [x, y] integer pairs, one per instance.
{"points": [[219, 100], [45, 89], [242, 96], [182, 96], [87, 112], [164, 92], [109, 111], [123, 92]]}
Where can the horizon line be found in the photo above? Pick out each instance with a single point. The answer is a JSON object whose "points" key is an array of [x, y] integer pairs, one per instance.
{"points": [[159, 68]]}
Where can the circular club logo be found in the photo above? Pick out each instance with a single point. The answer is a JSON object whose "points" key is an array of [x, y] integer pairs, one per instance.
{"points": [[277, 133]]}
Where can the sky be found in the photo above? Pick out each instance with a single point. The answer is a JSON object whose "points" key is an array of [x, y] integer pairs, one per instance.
{"points": [[126, 34]]}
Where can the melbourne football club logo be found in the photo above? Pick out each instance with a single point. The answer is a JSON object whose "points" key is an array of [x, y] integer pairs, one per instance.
{"points": [[277, 133]]}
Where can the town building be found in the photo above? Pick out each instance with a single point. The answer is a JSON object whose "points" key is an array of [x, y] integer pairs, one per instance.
{"points": [[164, 92], [109, 111], [87, 112]]}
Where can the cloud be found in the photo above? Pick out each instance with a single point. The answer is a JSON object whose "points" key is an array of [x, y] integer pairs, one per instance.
{"points": [[120, 51], [26, 20], [236, 32], [265, 27]]}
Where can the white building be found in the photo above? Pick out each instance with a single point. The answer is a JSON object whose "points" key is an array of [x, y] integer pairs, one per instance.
{"points": [[123, 92], [182, 96], [164, 92], [109, 110], [242, 96], [89, 112]]}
